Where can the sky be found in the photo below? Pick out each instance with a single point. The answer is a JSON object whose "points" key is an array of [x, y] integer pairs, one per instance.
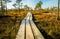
{"points": [[32, 3]]}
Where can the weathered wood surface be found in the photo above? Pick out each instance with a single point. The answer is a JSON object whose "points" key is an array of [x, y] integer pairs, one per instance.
{"points": [[21, 31], [28, 29]]}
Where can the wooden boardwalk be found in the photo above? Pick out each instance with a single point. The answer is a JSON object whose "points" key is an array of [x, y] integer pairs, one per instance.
{"points": [[28, 29]]}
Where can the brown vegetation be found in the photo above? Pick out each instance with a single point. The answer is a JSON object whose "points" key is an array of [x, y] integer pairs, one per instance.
{"points": [[47, 21]]}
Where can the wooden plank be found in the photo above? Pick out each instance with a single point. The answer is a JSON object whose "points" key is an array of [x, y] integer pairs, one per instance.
{"points": [[21, 32], [29, 34], [37, 33]]}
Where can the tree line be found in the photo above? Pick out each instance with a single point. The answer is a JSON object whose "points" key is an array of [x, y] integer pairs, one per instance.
{"points": [[18, 4]]}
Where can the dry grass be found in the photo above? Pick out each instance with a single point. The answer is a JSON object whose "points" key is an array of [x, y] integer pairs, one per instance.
{"points": [[47, 22], [10, 24]]}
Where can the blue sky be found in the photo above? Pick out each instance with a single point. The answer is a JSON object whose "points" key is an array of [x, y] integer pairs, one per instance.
{"points": [[32, 3]]}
